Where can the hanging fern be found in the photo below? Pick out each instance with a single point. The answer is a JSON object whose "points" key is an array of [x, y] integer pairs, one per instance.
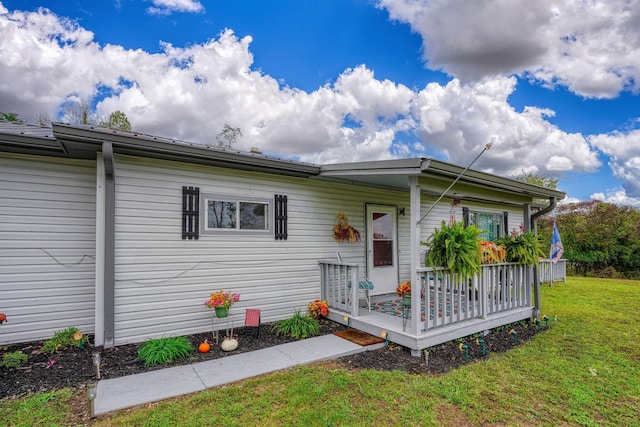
{"points": [[525, 248], [456, 248]]}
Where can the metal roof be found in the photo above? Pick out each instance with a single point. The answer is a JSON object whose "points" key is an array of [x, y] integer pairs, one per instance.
{"points": [[84, 141]]}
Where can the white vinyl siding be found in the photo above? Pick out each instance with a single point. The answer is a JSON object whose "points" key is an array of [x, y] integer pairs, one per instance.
{"points": [[162, 280], [47, 246]]}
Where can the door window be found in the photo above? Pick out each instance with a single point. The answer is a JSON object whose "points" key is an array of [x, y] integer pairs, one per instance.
{"points": [[382, 239]]}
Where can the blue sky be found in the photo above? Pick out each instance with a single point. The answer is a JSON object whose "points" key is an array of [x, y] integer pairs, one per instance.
{"points": [[553, 85]]}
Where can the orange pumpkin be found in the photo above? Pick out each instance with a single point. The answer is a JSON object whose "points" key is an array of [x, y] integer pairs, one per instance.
{"points": [[204, 347]]}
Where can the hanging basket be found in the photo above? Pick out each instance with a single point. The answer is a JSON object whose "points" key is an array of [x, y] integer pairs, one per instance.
{"points": [[406, 300], [221, 312]]}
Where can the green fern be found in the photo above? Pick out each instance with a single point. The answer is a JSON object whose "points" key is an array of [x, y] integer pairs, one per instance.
{"points": [[525, 248], [456, 248], [163, 350]]}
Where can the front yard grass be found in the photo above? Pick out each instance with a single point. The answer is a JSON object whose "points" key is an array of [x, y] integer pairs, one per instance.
{"points": [[585, 370]]}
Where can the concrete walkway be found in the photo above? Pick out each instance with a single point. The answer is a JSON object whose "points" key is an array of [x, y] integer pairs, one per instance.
{"points": [[133, 390]]}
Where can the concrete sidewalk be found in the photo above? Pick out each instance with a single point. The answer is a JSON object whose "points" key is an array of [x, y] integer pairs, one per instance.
{"points": [[133, 390]]}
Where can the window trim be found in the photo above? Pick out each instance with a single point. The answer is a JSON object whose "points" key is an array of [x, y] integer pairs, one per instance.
{"points": [[206, 197]]}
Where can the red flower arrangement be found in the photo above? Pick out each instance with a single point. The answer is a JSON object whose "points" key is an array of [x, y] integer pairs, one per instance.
{"points": [[3, 318], [222, 299], [318, 308]]}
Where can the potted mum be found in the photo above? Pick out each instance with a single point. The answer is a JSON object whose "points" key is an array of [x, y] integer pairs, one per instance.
{"points": [[221, 302], [404, 291], [318, 308]]}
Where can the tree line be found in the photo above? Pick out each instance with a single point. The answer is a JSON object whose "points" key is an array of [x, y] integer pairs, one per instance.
{"points": [[600, 239]]}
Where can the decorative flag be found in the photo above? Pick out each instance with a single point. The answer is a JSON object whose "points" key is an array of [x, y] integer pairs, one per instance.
{"points": [[556, 245]]}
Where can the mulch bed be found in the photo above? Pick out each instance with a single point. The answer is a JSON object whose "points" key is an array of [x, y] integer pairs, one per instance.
{"points": [[74, 368]]}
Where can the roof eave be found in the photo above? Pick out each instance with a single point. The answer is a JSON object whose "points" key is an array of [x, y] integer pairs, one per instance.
{"points": [[78, 139]]}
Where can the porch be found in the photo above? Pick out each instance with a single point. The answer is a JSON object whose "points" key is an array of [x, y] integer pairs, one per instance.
{"points": [[442, 308]]}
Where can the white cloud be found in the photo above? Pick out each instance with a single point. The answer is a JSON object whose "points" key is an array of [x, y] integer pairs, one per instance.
{"points": [[459, 119], [618, 197], [593, 47], [166, 7], [190, 93], [623, 150]]}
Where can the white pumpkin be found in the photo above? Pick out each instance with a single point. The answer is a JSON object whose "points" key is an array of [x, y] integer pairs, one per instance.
{"points": [[229, 344]]}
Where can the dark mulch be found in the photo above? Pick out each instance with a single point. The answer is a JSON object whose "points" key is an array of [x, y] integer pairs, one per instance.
{"points": [[74, 368]]}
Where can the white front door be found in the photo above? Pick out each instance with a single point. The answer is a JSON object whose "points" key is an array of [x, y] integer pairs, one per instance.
{"points": [[382, 248]]}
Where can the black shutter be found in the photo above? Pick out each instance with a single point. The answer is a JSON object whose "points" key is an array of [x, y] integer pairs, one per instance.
{"points": [[280, 215], [465, 217], [190, 213], [505, 220]]}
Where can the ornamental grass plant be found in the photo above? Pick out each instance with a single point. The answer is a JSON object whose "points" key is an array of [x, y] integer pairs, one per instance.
{"points": [[299, 326], [162, 350]]}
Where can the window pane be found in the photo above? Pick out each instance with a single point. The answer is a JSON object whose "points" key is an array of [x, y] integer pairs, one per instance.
{"points": [[253, 216], [382, 253], [221, 214], [487, 226], [382, 226]]}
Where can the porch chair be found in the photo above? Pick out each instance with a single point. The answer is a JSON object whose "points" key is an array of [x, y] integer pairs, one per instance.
{"points": [[365, 286]]}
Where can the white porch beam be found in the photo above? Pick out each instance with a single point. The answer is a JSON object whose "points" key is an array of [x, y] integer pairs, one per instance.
{"points": [[416, 301]]}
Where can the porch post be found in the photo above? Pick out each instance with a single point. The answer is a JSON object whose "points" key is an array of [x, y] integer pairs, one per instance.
{"points": [[533, 270], [416, 301]]}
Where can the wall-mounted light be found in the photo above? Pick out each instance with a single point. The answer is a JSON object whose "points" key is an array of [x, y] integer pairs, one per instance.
{"points": [[401, 211]]}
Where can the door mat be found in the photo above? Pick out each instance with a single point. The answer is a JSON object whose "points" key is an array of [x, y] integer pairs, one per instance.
{"points": [[358, 337]]}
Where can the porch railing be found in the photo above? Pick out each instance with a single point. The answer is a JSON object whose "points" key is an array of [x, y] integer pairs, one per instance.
{"points": [[446, 299], [335, 280], [498, 288], [549, 272]]}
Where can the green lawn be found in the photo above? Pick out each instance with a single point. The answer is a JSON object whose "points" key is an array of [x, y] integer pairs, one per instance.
{"points": [[585, 370]]}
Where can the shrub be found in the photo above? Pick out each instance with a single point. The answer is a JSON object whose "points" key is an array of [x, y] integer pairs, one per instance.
{"points": [[300, 326], [62, 340], [163, 350], [13, 360]]}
